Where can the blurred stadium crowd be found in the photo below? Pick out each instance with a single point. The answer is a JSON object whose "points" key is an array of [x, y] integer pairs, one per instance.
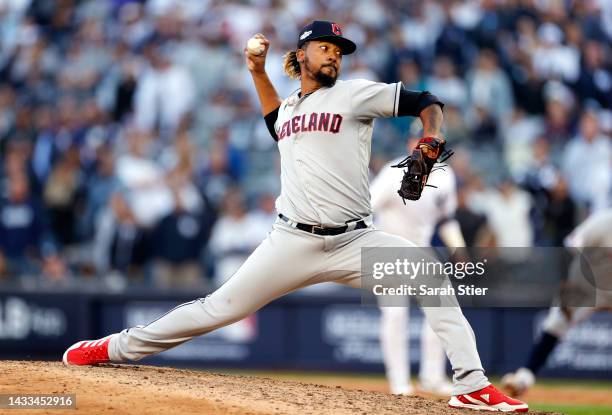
{"points": [[132, 146]]}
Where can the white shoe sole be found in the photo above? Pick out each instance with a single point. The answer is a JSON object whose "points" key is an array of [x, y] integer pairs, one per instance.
{"points": [[456, 403]]}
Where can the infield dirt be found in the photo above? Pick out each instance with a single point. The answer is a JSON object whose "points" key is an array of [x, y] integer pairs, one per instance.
{"points": [[131, 389]]}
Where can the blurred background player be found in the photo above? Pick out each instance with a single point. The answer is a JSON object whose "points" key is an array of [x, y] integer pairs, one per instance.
{"points": [[592, 241], [415, 221]]}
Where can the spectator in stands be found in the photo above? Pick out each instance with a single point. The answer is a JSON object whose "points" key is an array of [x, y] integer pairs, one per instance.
{"points": [[558, 121], [560, 213], [122, 245], [454, 40], [100, 187], [62, 194], [445, 84], [507, 209], [164, 94], [130, 247], [587, 165], [182, 235], [14, 162], [552, 58], [518, 138], [456, 128], [125, 87], [554, 213], [23, 127], [485, 129], [134, 27], [229, 250], [179, 239], [409, 73], [26, 245], [217, 175], [67, 123], [422, 26], [474, 227], [490, 87], [45, 151], [7, 112], [595, 81], [143, 179]]}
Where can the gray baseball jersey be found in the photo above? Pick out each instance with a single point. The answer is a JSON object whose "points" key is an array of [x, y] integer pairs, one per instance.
{"points": [[324, 139]]}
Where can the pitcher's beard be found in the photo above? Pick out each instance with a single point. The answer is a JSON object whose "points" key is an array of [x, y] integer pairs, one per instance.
{"points": [[322, 78], [325, 79]]}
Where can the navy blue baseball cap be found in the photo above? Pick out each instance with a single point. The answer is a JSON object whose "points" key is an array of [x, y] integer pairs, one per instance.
{"points": [[328, 31]]}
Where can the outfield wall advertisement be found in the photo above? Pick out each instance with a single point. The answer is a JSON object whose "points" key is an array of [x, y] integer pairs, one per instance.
{"points": [[299, 332]]}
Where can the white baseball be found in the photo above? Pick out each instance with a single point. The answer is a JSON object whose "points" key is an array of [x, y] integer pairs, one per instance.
{"points": [[255, 46]]}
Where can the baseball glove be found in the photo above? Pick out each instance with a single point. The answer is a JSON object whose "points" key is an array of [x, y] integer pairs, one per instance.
{"points": [[419, 164]]}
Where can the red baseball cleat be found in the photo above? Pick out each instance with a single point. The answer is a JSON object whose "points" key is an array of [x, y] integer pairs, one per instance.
{"points": [[87, 352], [488, 399]]}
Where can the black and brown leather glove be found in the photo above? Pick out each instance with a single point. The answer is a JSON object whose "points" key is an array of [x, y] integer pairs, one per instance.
{"points": [[418, 165]]}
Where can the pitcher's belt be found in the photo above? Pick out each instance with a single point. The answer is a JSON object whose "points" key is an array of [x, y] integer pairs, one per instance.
{"points": [[320, 230]]}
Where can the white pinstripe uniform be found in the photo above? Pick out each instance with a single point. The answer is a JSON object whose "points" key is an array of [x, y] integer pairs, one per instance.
{"points": [[595, 231], [415, 221]]}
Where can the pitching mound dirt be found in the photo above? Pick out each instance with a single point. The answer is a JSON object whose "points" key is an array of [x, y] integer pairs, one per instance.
{"points": [[130, 389]]}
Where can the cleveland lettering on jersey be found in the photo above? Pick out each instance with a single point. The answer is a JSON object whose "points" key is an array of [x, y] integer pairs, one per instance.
{"points": [[304, 123]]}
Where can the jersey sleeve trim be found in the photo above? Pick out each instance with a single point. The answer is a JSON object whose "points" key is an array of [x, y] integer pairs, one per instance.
{"points": [[398, 89], [270, 119]]}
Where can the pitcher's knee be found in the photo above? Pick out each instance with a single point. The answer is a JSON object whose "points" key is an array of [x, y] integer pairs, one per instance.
{"points": [[224, 311]]}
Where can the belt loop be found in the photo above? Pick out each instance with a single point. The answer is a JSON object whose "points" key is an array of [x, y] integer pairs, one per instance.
{"points": [[350, 226]]}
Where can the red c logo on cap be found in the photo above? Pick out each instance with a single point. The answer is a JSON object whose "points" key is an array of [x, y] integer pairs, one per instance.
{"points": [[336, 29]]}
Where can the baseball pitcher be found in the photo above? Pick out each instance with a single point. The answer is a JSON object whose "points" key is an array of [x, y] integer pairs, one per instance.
{"points": [[323, 132]]}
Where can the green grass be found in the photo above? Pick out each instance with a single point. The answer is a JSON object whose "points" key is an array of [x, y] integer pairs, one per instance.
{"points": [[577, 383], [572, 409], [306, 374], [573, 383]]}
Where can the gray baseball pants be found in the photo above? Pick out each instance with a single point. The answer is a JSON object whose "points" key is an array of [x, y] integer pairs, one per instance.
{"points": [[289, 259]]}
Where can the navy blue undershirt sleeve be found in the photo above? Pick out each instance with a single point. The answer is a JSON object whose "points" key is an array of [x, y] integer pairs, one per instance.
{"points": [[411, 103], [270, 121]]}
